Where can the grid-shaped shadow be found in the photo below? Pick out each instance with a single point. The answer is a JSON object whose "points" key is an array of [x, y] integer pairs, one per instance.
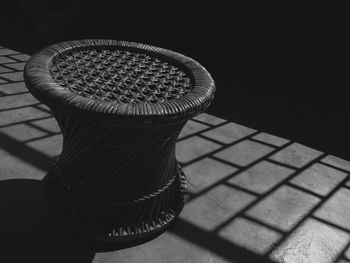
{"points": [[279, 199], [254, 197]]}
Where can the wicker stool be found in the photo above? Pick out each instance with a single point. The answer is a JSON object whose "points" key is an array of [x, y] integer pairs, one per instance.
{"points": [[120, 106]]}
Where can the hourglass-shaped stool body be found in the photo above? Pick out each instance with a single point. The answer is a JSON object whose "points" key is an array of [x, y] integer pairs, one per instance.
{"points": [[120, 106]]}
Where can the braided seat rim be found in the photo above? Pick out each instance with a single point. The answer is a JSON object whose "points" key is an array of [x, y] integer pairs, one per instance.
{"points": [[41, 84]]}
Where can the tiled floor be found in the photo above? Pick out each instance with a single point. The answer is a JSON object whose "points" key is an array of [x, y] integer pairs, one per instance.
{"points": [[255, 197]]}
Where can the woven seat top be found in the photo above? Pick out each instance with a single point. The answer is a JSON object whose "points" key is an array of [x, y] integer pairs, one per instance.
{"points": [[119, 77], [115, 75]]}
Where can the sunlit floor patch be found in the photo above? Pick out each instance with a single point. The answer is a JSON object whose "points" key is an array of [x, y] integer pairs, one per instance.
{"points": [[312, 242]]}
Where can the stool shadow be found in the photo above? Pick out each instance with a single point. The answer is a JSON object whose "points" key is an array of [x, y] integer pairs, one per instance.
{"points": [[27, 232]]}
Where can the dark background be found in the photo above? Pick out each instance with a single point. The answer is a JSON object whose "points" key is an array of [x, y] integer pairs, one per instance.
{"points": [[279, 69]]}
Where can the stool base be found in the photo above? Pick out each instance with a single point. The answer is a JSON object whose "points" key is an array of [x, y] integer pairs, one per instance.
{"points": [[59, 201]]}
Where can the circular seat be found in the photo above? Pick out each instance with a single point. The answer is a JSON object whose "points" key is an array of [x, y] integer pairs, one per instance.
{"points": [[120, 106]]}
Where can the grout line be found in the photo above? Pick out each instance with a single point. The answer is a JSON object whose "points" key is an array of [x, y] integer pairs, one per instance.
{"points": [[211, 139], [199, 132], [217, 150], [226, 162], [324, 221], [266, 143], [14, 94], [317, 206], [267, 193], [40, 138], [209, 124], [24, 121], [307, 191], [237, 187], [263, 224], [19, 107], [283, 164], [242, 169], [335, 167], [40, 128]]}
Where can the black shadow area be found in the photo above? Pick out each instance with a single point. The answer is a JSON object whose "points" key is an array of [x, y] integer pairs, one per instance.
{"points": [[30, 233], [27, 232]]}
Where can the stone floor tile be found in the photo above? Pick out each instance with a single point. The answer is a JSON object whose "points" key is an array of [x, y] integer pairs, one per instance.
{"points": [[347, 253], [283, 208], [167, 248], [319, 178], [14, 101], [296, 155], [261, 177], [244, 153], [337, 162], [6, 60], [49, 124], [18, 115], [22, 132], [348, 183], [50, 146], [250, 235], [12, 167], [217, 205], [2, 81], [17, 66], [13, 88], [21, 57], [336, 209], [43, 107], [7, 51], [271, 139], [206, 172], [13, 76], [312, 242], [210, 119], [194, 147], [229, 132], [4, 69], [192, 127]]}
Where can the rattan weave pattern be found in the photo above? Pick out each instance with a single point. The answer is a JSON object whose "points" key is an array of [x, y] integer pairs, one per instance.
{"points": [[120, 106], [40, 78], [119, 75]]}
